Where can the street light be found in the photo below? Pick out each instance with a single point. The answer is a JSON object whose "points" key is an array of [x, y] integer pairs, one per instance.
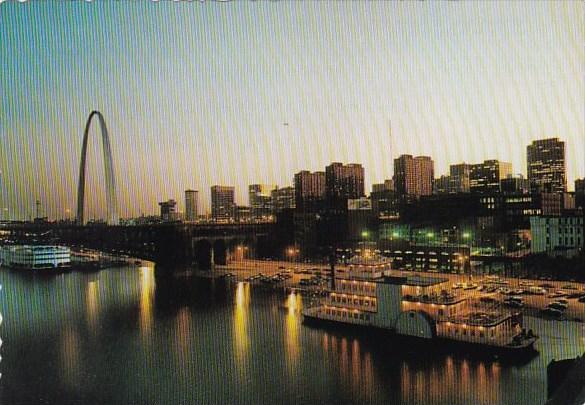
{"points": [[467, 236]]}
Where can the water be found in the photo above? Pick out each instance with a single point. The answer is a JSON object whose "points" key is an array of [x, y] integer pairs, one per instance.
{"points": [[122, 336]]}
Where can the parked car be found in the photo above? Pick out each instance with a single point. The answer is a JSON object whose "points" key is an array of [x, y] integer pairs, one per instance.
{"points": [[552, 312], [513, 304], [557, 306]]}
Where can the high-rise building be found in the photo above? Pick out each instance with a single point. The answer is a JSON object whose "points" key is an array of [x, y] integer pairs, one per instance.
{"points": [[168, 210], [580, 193], [282, 199], [191, 197], [309, 188], [580, 186], [388, 185], [343, 182], [260, 200], [222, 203], [442, 185], [413, 175], [485, 177], [459, 178], [514, 185], [546, 166]]}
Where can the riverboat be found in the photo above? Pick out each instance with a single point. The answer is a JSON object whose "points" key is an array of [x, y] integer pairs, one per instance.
{"points": [[368, 296]]}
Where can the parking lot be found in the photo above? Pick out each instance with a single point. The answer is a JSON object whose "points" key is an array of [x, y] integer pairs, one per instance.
{"points": [[483, 292]]}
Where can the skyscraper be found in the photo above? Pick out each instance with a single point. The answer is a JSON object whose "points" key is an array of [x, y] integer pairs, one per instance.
{"points": [[388, 185], [260, 200], [459, 178], [485, 177], [514, 185], [222, 203], [309, 187], [168, 212], [282, 199], [413, 175], [191, 197], [546, 166], [343, 182]]}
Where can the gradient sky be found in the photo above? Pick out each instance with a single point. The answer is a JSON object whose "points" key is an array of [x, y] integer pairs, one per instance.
{"points": [[197, 93]]}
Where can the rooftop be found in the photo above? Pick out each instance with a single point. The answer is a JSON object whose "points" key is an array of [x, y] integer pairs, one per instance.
{"points": [[480, 318], [419, 281]]}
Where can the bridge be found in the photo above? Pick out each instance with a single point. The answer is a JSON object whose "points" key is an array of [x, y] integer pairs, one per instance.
{"points": [[166, 244]]}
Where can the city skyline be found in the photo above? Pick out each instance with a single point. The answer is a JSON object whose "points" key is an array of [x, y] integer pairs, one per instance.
{"points": [[209, 107]]}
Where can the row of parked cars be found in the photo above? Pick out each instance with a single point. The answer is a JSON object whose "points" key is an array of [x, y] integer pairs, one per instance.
{"points": [[265, 279], [316, 280]]}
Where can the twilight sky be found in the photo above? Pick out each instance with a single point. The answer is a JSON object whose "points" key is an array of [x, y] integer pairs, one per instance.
{"points": [[198, 93]]}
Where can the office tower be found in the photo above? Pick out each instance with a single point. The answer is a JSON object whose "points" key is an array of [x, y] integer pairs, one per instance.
{"points": [[282, 199], [546, 166], [309, 187], [413, 176], [459, 178], [343, 182], [442, 185], [514, 184], [168, 210], [388, 185], [580, 193], [485, 177], [191, 197], [260, 200], [222, 203]]}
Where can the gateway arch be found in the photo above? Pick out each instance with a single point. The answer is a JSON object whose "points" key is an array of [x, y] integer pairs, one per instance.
{"points": [[112, 213]]}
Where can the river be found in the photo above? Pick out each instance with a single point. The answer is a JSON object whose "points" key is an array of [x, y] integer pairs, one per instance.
{"points": [[124, 336]]}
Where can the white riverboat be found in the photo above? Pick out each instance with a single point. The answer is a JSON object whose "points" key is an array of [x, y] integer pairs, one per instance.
{"points": [[367, 295]]}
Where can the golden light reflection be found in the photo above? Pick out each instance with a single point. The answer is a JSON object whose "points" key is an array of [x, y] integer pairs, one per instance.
{"points": [[422, 385], [355, 361], [70, 367], [182, 340], [241, 338], [146, 294], [294, 305], [91, 302]]}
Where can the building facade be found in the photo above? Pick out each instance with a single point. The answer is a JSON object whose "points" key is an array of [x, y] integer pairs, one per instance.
{"points": [[283, 199], [580, 193], [222, 203], [413, 175], [546, 166], [168, 210], [309, 188], [557, 235], [191, 205], [260, 196], [515, 185], [459, 178], [343, 182], [486, 177]]}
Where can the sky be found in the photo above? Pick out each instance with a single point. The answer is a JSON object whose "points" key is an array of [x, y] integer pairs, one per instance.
{"points": [[236, 93]]}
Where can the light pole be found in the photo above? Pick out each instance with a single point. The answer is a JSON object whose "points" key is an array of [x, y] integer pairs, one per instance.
{"points": [[365, 235], [467, 236]]}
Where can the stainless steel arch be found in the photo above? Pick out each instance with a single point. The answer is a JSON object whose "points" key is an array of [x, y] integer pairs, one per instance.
{"points": [[112, 218]]}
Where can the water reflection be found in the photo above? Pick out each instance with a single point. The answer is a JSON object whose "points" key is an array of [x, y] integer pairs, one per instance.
{"points": [[91, 301], [293, 305], [353, 363], [70, 357], [474, 381], [241, 338], [146, 295], [182, 343]]}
